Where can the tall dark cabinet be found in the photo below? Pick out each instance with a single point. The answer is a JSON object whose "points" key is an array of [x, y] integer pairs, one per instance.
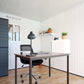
{"points": [[3, 47]]}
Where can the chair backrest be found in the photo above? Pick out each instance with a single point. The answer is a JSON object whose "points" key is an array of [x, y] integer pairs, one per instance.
{"points": [[26, 48]]}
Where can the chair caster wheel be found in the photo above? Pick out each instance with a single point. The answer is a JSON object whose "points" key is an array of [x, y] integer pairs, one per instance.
{"points": [[36, 82], [21, 76], [22, 81], [39, 77]]}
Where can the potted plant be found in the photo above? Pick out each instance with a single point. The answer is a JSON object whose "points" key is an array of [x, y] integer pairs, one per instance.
{"points": [[64, 35], [49, 30]]}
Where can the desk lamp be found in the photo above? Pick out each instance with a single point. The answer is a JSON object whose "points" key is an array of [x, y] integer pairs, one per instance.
{"points": [[31, 36]]}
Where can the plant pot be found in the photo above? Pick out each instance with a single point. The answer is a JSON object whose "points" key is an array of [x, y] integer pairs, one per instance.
{"points": [[40, 65], [49, 31], [64, 37]]}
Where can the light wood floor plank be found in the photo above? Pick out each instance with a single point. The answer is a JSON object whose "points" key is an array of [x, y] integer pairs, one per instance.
{"points": [[57, 77]]}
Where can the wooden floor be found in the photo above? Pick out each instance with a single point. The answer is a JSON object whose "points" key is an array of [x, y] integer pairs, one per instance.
{"points": [[58, 77]]}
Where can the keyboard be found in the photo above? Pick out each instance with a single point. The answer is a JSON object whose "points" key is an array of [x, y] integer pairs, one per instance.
{"points": [[39, 53]]}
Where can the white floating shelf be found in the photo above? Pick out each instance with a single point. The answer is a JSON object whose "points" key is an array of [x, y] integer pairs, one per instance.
{"points": [[47, 34]]}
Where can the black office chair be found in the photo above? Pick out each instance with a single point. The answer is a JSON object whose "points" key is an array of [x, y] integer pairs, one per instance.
{"points": [[25, 61]]}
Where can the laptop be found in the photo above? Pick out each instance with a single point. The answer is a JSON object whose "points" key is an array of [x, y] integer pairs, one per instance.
{"points": [[39, 53]]}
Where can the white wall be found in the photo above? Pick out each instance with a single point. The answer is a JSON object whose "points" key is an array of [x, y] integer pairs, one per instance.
{"points": [[71, 21], [26, 26]]}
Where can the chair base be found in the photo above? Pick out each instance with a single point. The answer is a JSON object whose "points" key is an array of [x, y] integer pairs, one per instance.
{"points": [[27, 74]]}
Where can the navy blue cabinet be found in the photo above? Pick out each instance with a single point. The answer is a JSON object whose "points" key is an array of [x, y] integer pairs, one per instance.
{"points": [[3, 47]]}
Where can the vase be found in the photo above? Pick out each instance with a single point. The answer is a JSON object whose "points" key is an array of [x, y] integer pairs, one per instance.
{"points": [[64, 37], [49, 31]]}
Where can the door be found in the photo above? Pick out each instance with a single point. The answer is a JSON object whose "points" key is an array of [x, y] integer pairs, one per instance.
{"points": [[3, 47], [3, 61]]}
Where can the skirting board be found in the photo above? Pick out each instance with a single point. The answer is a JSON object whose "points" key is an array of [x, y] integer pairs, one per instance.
{"points": [[53, 68], [65, 71], [19, 68]]}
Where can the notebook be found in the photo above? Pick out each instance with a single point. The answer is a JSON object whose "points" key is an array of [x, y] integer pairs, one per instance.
{"points": [[38, 53]]}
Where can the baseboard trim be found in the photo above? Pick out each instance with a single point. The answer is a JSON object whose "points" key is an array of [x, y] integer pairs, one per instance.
{"points": [[19, 68], [65, 71], [52, 68]]}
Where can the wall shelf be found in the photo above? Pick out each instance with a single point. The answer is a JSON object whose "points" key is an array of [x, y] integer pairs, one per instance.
{"points": [[47, 34]]}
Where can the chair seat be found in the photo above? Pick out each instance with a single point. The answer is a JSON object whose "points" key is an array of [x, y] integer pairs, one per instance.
{"points": [[34, 63]]}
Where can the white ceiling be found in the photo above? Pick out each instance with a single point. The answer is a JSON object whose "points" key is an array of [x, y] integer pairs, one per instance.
{"points": [[39, 10]]}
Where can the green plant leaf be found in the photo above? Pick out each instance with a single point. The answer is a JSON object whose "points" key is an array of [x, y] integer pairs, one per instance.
{"points": [[49, 28], [64, 33]]}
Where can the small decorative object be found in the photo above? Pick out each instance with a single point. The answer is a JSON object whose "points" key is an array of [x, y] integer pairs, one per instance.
{"points": [[43, 32], [64, 35], [55, 38], [49, 30]]}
